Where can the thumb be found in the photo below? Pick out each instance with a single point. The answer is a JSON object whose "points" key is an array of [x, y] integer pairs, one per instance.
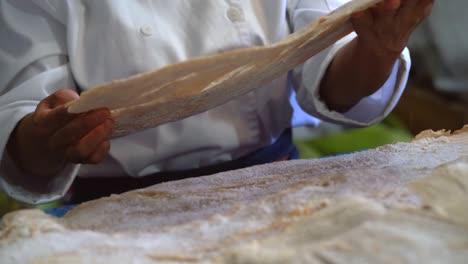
{"points": [[51, 112], [60, 97]]}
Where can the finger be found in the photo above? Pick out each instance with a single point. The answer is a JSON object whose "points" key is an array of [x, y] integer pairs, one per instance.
{"points": [[79, 127], [414, 13], [61, 97], [362, 23], [84, 150], [388, 5], [408, 4], [386, 10], [407, 10], [392, 4], [50, 112], [100, 154], [95, 157], [384, 15], [51, 119], [425, 8]]}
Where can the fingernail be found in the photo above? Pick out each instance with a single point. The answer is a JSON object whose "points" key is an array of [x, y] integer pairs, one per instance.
{"points": [[394, 4]]}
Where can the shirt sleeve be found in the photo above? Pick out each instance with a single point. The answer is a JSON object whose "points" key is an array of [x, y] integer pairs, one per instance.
{"points": [[307, 77], [34, 65]]}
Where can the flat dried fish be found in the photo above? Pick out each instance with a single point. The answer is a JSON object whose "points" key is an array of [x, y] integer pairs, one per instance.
{"points": [[400, 203], [187, 88]]}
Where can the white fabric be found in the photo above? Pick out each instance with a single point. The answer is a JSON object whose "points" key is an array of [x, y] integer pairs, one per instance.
{"points": [[112, 39]]}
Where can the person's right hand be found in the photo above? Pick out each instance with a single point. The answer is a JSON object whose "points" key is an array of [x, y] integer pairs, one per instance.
{"points": [[43, 142]]}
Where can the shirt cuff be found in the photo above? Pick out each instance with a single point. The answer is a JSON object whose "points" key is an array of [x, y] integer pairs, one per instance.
{"points": [[8, 169], [371, 109], [56, 189], [374, 108]]}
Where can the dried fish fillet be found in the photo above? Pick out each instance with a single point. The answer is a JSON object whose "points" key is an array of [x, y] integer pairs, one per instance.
{"points": [[354, 208], [187, 88]]}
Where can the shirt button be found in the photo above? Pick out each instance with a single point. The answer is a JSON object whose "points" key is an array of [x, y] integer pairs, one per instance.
{"points": [[146, 30], [235, 14]]}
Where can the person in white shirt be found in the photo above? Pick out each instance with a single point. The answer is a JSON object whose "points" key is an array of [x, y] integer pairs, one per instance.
{"points": [[49, 45]]}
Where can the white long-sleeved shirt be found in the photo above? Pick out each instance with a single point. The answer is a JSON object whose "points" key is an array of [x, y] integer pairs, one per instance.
{"points": [[48, 45]]}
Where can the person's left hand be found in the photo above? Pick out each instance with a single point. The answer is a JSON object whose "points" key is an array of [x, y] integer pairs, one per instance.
{"points": [[384, 30]]}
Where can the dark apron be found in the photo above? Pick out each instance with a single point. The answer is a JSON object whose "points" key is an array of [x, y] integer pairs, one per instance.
{"points": [[85, 189]]}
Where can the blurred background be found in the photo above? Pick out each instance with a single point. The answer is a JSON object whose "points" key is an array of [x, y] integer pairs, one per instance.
{"points": [[436, 96]]}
